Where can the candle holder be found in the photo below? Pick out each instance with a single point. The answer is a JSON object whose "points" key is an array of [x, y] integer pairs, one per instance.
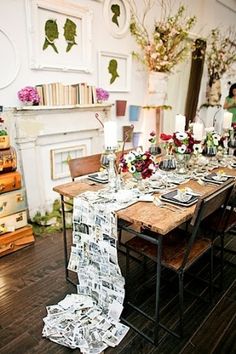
{"points": [[226, 141], [112, 173]]}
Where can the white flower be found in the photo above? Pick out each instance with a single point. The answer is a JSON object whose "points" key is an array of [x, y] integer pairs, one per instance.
{"points": [[181, 149], [129, 157], [132, 169], [181, 136], [197, 148], [216, 136]]}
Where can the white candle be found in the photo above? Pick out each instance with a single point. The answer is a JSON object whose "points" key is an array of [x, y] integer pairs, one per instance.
{"points": [[180, 122], [227, 120], [198, 131], [110, 135]]}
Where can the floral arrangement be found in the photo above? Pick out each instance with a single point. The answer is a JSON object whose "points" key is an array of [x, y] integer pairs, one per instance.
{"points": [[139, 163], [165, 46], [220, 53], [3, 130], [29, 94], [153, 139], [102, 95], [181, 143], [212, 138]]}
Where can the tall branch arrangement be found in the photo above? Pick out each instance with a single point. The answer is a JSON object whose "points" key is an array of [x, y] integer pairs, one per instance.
{"points": [[221, 53], [166, 45]]}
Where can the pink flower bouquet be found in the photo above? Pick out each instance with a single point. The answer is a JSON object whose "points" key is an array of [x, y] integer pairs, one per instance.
{"points": [[102, 95], [29, 94]]}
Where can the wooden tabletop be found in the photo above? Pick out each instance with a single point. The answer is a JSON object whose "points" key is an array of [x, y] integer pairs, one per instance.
{"points": [[146, 213]]}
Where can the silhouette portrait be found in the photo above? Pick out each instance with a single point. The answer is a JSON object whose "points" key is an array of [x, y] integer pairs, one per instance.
{"points": [[115, 8], [112, 69], [70, 33], [51, 34]]}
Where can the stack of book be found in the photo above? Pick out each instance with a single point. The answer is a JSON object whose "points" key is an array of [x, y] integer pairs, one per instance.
{"points": [[58, 94]]}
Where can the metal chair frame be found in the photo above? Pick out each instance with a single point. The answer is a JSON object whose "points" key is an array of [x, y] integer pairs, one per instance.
{"points": [[204, 208]]}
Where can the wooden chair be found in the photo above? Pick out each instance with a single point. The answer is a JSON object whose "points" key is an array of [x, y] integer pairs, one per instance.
{"points": [[219, 226], [177, 251], [85, 165]]}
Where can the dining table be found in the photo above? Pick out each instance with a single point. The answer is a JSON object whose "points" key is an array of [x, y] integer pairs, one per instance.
{"points": [[143, 214]]}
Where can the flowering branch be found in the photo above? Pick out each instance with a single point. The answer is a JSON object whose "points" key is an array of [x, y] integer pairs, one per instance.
{"points": [[165, 46], [220, 54]]}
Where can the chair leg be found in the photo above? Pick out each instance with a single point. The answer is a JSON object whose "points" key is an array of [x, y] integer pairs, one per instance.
{"points": [[222, 261], [211, 277], [158, 284], [181, 302], [127, 273]]}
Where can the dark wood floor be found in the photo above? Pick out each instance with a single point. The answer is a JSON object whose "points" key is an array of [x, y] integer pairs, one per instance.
{"points": [[34, 277]]}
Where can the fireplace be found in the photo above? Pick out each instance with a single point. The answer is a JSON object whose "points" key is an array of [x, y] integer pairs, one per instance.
{"points": [[45, 138]]}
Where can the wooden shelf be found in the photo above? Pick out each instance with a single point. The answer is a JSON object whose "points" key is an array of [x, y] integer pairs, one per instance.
{"points": [[77, 106]]}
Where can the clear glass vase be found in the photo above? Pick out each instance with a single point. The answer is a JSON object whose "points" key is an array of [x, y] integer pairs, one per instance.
{"points": [[182, 163], [139, 180]]}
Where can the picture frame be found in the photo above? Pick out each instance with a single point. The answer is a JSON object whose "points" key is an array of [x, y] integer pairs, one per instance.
{"points": [[60, 157], [117, 17], [128, 133], [229, 4], [59, 35], [114, 71]]}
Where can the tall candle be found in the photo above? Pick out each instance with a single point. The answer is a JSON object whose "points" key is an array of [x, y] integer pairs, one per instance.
{"points": [[227, 120], [110, 135], [180, 122], [198, 131]]}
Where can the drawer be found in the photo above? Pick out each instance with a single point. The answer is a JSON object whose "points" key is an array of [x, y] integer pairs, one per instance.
{"points": [[4, 142], [13, 222], [8, 160], [12, 202], [14, 241], [10, 181]]}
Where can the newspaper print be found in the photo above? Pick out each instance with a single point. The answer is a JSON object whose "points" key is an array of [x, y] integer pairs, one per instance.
{"points": [[89, 320]]}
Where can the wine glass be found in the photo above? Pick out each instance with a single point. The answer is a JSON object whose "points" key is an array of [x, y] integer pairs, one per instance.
{"points": [[167, 165]]}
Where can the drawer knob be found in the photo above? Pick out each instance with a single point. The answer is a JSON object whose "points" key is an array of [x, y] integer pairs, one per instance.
{"points": [[20, 198]]}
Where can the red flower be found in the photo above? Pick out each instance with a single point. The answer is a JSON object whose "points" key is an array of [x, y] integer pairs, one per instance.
{"points": [[165, 137]]}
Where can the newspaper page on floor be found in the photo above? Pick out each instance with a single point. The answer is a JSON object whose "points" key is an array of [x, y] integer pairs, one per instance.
{"points": [[89, 320]]}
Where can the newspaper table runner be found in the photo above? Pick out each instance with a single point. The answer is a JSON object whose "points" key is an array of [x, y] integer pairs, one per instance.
{"points": [[89, 320]]}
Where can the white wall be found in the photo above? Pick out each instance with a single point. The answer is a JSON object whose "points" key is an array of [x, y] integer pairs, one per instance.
{"points": [[210, 13]]}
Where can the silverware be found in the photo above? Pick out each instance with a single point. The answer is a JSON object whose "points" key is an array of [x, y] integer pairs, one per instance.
{"points": [[162, 204]]}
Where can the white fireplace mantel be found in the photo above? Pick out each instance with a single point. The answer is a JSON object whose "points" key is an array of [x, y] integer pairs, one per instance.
{"points": [[37, 131]]}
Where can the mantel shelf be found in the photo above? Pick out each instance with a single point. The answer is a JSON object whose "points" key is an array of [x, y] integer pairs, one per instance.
{"points": [[77, 106]]}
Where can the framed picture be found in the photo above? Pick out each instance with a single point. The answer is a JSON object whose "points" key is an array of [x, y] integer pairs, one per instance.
{"points": [[59, 35], [128, 133], [60, 158], [117, 17], [230, 4], [114, 71]]}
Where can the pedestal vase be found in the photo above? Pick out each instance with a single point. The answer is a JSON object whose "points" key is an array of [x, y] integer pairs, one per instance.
{"points": [[157, 88]]}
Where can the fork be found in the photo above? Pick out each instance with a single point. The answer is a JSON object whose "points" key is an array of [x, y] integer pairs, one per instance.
{"points": [[162, 204]]}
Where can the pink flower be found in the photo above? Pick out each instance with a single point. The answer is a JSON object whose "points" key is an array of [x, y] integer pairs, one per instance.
{"points": [[102, 95], [28, 94]]}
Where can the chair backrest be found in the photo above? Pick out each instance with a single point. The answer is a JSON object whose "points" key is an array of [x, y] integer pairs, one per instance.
{"points": [[205, 207], [85, 165], [213, 202], [82, 166]]}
